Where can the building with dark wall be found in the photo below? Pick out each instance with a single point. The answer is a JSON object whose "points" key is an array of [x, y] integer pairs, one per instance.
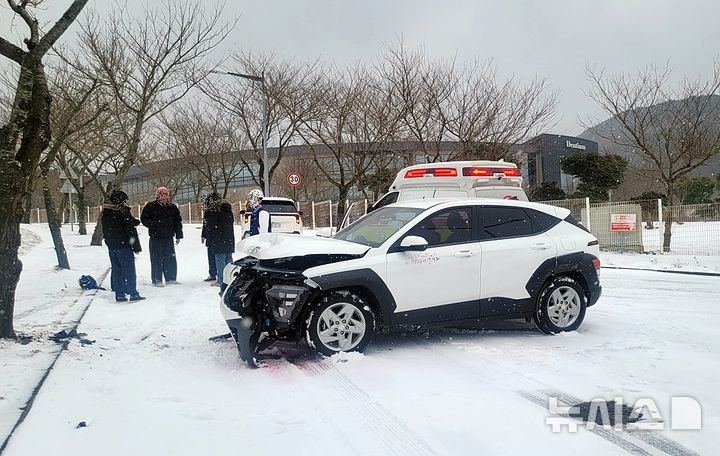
{"points": [[541, 158]]}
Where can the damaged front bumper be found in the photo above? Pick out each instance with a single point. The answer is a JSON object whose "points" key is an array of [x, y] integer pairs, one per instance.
{"points": [[263, 305]]}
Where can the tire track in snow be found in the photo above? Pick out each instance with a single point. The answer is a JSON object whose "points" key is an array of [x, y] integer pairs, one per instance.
{"points": [[650, 443], [613, 437], [395, 436], [63, 347], [658, 441]]}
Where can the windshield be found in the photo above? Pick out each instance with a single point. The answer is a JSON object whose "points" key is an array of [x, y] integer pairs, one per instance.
{"points": [[376, 227]]}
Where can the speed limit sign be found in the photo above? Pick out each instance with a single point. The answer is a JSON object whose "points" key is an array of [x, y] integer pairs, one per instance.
{"points": [[294, 179]]}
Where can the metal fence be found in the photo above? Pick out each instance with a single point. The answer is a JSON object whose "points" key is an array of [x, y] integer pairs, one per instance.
{"points": [[624, 226]]}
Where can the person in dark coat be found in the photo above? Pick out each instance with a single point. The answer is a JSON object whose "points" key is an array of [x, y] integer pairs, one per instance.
{"points": [[162, 218], [121, 237], [221, 237], [212, 204]]}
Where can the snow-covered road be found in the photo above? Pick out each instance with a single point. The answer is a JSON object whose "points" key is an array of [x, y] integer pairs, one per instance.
{"points": [[154, 384]]}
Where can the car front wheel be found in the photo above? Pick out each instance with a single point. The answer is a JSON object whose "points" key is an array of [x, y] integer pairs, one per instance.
{"points": [[561, 306], [341, 322]]}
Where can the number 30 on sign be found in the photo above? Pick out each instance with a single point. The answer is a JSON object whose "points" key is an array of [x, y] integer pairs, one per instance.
{"points": [[294, 179]]}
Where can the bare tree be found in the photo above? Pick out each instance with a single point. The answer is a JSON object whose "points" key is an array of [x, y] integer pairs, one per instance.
{"points": [[287, 86], [206, 139], [486, 116], [149, 63], [673, 130], [419, 87], [70, 116], [23, 138], [353, 119], [165, 166]]}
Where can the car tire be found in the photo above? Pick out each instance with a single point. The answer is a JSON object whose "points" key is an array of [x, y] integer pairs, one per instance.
{"points": [[341, 322], [561, 306]]}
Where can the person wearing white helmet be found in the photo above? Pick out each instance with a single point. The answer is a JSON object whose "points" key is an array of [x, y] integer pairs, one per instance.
{"points": [[259, 217]]}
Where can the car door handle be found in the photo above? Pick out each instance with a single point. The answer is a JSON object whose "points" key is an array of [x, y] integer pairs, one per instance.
{"points": [[464, 253], [541, 246]]}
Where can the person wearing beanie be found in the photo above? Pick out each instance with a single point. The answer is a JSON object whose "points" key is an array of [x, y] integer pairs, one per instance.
{"points": [[121, 238], [221, 237], [211, 205], [163, 220]]}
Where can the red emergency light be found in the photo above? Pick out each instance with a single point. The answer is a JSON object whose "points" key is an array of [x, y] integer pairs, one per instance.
{"points": [[476, 171], [437, 172]]}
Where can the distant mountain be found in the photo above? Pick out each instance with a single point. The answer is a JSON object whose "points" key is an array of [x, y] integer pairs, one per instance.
{"points": [[636, 183]]}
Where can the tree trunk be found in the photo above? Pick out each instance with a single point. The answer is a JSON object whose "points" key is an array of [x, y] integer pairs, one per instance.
{"points": [[11, 204], [667, 213], [28, 208], [82, 211], [54, 224], [667, 235], [97, 236], [343, 194], [17, 167]]}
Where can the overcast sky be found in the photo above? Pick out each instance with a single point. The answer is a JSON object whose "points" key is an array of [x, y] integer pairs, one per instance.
{"points": [[556, 38]]}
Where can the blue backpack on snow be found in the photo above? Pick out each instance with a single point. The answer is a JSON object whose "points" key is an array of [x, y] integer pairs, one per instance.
{"points": [[88, 282]]}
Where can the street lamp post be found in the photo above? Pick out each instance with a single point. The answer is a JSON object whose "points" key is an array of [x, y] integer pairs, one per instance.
{"points": [[266, 114]]}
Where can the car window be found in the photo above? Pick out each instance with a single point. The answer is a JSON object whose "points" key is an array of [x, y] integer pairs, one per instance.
{"points": [[390, 198], [501, 193], [376, 227], [279, 206], [541, 220], [505, 222], [449, 226]]}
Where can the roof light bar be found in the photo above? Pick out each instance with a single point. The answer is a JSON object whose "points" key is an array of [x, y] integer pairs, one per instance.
{"points": [[436, 172], [477, 171]]}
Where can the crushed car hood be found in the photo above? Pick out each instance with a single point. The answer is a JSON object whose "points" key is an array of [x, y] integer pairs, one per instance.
{"points": [[272, 246]]}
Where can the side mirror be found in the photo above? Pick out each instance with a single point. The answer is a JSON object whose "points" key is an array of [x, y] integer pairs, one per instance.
{"points": [[242, 212], [300, 212], [413, 244]]}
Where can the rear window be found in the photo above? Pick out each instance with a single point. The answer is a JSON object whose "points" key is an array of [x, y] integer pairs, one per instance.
{"points": [[501, 193], [573, 221], [450, 194], [409, 195], [541, 220], [279, 206]]}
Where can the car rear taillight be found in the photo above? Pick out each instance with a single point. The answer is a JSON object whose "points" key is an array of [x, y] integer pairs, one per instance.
{"points": [[476, 171], [436, 172], [297, 219], [596, 263]]}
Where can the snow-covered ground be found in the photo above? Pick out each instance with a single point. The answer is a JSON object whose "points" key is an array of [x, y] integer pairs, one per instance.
{"points": [[152, 383], [687, 238]]}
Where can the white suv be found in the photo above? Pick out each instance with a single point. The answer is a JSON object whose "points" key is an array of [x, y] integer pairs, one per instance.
{"points": [[413, 263], [284, 216]]}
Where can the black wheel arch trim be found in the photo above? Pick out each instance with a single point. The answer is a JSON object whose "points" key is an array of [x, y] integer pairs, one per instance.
{"points": [[578, 265], [373, 287]]}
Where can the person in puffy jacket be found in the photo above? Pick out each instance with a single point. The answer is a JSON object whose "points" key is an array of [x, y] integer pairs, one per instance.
{"points": [[210, 204], [259, 216], [162, 218], [220, 231], [121, 237]]}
